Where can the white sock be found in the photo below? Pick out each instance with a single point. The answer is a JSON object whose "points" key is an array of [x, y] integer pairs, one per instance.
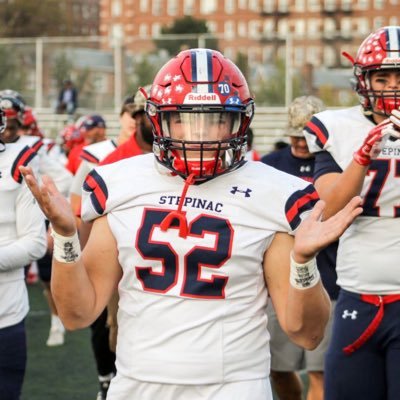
{"points": [[56, 323]]}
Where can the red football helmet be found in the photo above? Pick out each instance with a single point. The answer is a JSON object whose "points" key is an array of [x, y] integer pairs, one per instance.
{"points": [[380, 50], [71, 136], [200, 107], [30, 124]]}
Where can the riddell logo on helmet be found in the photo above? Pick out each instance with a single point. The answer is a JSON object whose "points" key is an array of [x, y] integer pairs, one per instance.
{"points": [[207, 98], [389, 60]]}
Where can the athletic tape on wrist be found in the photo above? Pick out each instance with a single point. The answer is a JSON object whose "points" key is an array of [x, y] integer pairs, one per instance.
{"points": [[67, 249], [303, 276]]}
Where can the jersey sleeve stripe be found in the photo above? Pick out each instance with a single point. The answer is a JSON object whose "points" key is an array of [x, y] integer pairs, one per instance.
{"points": [[50, 146], [316, 127], [95, 185], [85, 155], [23, 159], [37, 146], [299, 202]]}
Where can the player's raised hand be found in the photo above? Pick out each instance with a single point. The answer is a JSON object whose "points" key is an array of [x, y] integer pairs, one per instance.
{"points": [[376, 139], [53, 204], [314, 234]]}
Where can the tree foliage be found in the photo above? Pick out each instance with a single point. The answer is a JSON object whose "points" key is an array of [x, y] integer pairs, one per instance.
{"points": [[31, 18], [271, 90], [11, 76], [181, 26]]}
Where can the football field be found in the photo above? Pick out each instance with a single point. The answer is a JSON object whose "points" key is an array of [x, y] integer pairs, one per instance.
{"points": [[56, 373]]}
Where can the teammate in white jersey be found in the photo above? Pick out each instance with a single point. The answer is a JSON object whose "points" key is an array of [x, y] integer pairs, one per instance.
{"points": [[22, 240], [357, 153], [193, 235]]}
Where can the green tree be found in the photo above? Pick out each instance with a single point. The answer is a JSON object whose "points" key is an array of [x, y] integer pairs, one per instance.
{"points": [[242, 62], [11, 77], [271, 90], [62, 68], [31, 18], [184, 26]]}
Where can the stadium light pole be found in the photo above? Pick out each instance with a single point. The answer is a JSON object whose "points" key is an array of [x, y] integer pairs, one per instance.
{"points": [[38, 73], [288, 71]]}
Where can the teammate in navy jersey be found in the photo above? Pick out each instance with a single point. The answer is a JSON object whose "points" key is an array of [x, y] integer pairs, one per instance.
{"points": [[357, 152], [286, 357], [194, 282], [22, 240]]}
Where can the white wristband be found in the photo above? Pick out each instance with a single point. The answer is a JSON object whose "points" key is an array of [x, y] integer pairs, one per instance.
{"points": [[303, 276], [67, 249]]}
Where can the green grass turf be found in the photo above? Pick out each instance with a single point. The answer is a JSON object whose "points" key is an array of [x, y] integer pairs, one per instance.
{"points": [[65, 372]]}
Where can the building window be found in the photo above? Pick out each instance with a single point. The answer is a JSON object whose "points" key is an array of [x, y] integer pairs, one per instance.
{"points": [[212, 26], [254, 5], [208, 7], [313, 28], [116, 8], [157, 9], [313, 55], [299, 6], [346, 27], [172, 7], [378, 4], [144, 6], [229, 52], [242, 4], [329, 56], [242, 29], [393, 21], [229, 28], [155, 29], [298, 56], [300, 28], [254, 29], [314, 5], [283, 28], [229, 6], [283, 6], [378, 22], [188, 7], [362, 26], [143, 30], [268, 6], [363, 4]]}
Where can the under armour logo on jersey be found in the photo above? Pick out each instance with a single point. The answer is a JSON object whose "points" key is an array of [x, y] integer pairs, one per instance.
{"points": [[352, 315], [305, 168], [246, 192]]}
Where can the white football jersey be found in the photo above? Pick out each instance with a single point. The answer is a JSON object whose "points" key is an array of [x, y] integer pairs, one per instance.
{"points": [[369, 250], [48, 165], [22, 232], [193, 310], [91, 155]]}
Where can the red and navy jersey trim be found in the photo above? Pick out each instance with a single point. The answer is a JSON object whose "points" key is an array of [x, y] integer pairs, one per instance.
{"points": [[37, 145], [95, 185], [85, 155], [50, 146], [299, 202], [23, 159], [317, 128]]}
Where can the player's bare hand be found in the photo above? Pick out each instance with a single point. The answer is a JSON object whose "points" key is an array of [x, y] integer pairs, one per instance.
{"points": [[314, 234], [53, 204]]}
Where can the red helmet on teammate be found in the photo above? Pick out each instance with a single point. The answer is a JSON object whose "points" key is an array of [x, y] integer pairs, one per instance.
{"points": [[200, 107], [30, 124], [380, 50], [71, 137]]}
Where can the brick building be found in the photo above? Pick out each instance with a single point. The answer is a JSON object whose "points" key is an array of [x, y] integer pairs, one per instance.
{"points": [[319, 29]]}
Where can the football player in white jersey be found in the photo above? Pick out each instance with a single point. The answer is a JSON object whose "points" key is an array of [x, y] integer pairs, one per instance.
{"points": [[22, 240], [357, 152], [195, 238]]}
